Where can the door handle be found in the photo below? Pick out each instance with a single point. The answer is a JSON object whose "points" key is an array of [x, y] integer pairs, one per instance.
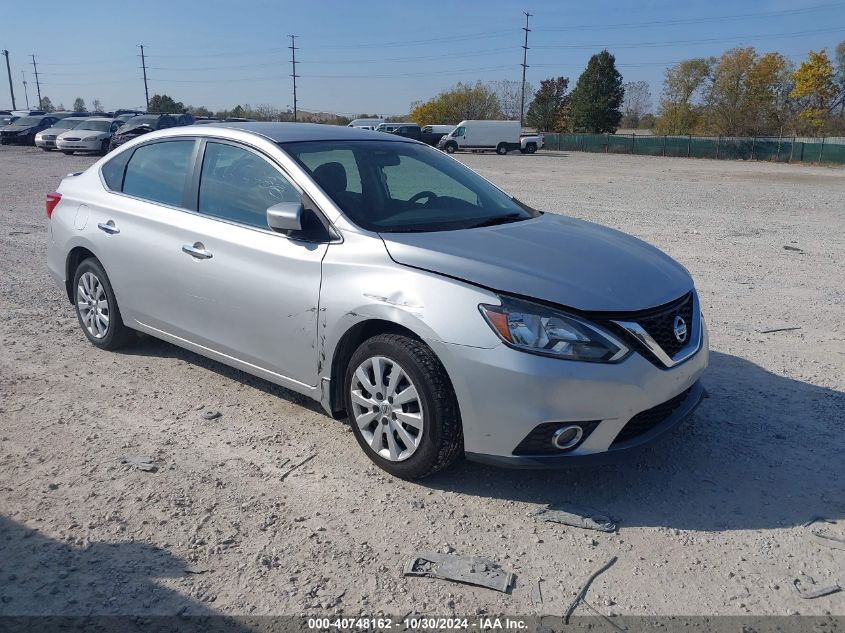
{"points": [[196, 250], [108, 227]]}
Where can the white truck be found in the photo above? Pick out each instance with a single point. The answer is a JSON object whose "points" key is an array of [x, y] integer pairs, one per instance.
{"points": [[499, 136]]}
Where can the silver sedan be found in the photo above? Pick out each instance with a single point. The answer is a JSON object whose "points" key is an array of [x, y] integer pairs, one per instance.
{"points": [[401, 290]]}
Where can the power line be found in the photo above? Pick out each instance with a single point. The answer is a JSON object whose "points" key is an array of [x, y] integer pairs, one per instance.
{"points": [[37, 82], [11, 86], [293, 50], [524, 67], [144, 66]]}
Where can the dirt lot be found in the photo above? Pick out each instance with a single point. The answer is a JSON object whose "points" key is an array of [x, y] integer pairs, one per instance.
{"points": [[710, 522]]}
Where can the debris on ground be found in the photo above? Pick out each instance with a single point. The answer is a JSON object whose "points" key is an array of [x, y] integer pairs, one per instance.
{"points": [[481, 572], [579, 598], [786, 247], [297, 465], [211, 415], [579, 518], [537, 594], [816, 593], [141, 462], [781, 329], [836, 542]]}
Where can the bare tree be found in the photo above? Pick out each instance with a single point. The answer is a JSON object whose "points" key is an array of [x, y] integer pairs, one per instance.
{"points": [[97, 105], [509, 92], [637, 103]]}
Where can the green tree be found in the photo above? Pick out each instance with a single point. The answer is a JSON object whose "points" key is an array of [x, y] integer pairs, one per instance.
{"points": [[747, 94], [199, 111], [815, 91], [683, 86], [79, 104], [164, 103], [549, 111], [46, 104], [598, 95], [462, 101]]}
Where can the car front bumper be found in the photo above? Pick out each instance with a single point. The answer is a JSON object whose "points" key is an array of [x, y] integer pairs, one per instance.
{"points": [[45, 142], [84, 145], [505, 394]]}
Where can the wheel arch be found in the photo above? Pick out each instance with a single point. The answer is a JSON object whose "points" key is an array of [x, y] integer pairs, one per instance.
{"points": [[75, 257]]}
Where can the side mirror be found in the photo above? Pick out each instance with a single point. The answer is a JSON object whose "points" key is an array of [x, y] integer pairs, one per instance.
{"points": [[285, 217]]}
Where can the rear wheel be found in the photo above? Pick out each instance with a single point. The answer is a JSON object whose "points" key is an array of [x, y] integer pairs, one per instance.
{"points": [[531, 148], [401, 406], [502, 149], [96, 307]]}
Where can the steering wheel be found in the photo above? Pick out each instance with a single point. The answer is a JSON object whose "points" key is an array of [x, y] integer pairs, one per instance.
{"points": [[422, 194]]}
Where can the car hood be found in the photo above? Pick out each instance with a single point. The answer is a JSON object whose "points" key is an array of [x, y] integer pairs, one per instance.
{"points": [[134, 130], [554, 258], [81, 134], [16, 128]]}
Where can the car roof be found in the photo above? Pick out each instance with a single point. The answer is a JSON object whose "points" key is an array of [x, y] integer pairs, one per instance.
{"points": [[100, 118], [296, 132]]}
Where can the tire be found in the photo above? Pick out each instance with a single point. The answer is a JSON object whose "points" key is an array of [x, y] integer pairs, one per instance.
{"points": [[46, 149], [531, 148], [451, 147], [501, 149], [114, 334], [67, 152], [434, 407], [104, 147]]}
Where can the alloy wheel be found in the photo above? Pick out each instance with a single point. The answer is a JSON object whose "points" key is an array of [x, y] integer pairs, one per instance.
{"points": [[387, 408], [93, 305]]}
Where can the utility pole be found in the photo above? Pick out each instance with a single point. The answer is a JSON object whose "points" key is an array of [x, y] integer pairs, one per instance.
{"points": [[144, 66], [524, 66], [9, 70], [37, 83], [26, 94], [293, 50]]}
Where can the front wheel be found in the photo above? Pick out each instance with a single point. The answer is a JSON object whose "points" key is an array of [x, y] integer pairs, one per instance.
{"points": [[96, 307], [401, 406], [104, 148], [450, 148], [502, 149], [67, 152]]}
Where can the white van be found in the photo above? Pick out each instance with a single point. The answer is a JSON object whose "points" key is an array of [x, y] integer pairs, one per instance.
{"points": [[438, 129], [499, 136], [369, 124]]}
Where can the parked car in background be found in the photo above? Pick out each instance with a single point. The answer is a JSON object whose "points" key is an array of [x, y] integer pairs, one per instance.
{"points": [[6, 119], [76, 115], [118, 114], [23, 130], [29, 112], [92, 135], [414, 131], [482, 135], [46, 139], [438, 129], [438, 314], [370, 124], [142, 124]]}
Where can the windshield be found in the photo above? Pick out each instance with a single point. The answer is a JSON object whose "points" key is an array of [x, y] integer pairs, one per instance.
{"points": [[141, 120], [67, 124], [97, 126], [393, 187], [28, 120]]}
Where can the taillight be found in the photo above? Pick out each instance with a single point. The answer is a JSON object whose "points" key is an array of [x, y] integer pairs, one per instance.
{"points": [[52, 200]]}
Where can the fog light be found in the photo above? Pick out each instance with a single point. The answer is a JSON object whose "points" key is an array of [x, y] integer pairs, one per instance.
{"points": [[567, 436]]}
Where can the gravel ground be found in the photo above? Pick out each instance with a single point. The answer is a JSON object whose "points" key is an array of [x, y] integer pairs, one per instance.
{"points": [[711, 522]]}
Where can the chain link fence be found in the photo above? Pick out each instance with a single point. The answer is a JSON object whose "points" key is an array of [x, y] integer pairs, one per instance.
{"points": [[782, 149]]}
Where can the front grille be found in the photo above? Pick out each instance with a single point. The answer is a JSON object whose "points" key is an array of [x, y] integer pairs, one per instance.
{"points": [[47, 138], [539, 440], [645, 421], [661, 326], [67, 138]]}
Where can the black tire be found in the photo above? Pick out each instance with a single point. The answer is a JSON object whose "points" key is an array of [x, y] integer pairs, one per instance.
{"points": [[531, 148], [442, 435], [502, 149], [117, 335], [67, 152], [104, 147], [451, 148], [46, 149]]}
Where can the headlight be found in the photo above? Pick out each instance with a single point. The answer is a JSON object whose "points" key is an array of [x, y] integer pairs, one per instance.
{"points": [[535, 328]]}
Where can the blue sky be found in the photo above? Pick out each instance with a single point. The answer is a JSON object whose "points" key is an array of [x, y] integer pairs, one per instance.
{"points": [[376, 56]]}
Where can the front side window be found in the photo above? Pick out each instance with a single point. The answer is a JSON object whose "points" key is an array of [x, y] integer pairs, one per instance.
{"points": [[459, 131], [158, 171], [238, 185], [404, 187]]}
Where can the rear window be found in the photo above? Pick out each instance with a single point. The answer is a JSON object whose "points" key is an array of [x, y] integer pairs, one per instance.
{"points": [[113, 171]]}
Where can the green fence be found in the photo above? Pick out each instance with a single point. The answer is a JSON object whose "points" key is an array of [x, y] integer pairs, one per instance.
{"points": [[776, 149]]}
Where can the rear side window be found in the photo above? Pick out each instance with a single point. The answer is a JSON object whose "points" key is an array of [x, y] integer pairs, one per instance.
{"points": [[238, 185], [158, 171], [113, 171]]}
